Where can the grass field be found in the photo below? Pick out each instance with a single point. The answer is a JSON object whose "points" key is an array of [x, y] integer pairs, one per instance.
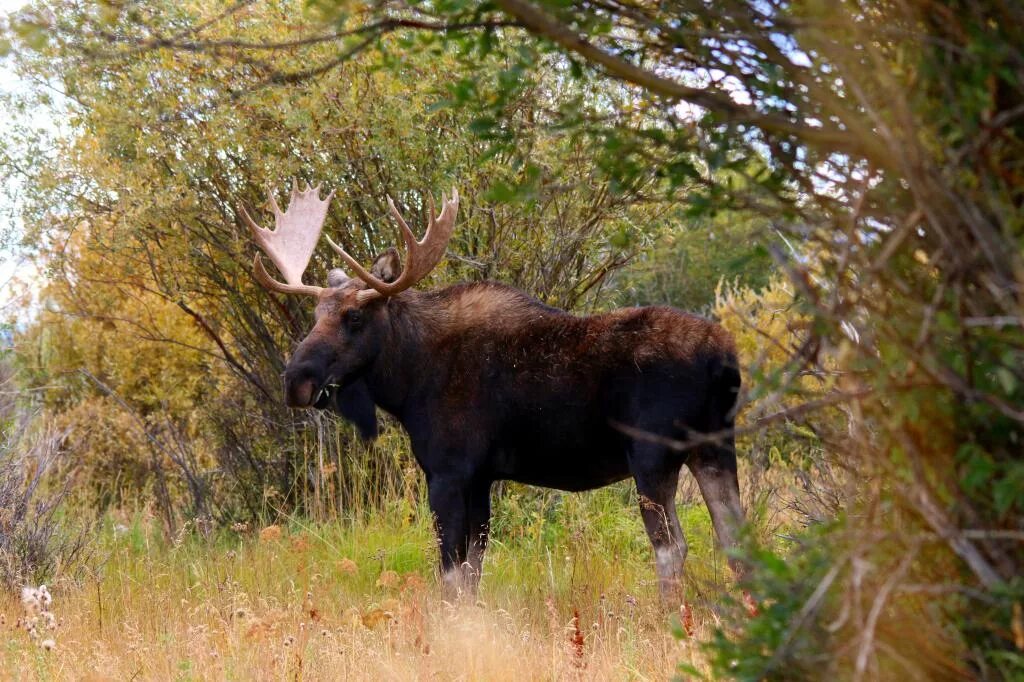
{"points": [[568, 592]]}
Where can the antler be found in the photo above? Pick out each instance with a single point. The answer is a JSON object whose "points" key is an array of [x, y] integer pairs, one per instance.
{"points": [[290, 245], [421, 256]]}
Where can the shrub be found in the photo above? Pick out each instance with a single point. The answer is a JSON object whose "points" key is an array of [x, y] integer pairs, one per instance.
{"points": [[36, 544]]}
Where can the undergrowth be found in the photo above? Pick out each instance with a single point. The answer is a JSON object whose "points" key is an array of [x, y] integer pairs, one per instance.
{"points": [[568, 591]]}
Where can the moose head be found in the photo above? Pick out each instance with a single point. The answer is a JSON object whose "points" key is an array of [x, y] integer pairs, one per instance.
{"points": [[351, 312]]}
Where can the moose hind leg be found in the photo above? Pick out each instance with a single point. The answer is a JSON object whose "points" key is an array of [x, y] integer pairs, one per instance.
{"points": [[714, 467], [656, 483]]}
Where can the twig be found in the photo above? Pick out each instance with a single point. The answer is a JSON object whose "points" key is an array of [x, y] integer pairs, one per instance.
{"points": [[807, 609], [717, 437], [868, 635]]}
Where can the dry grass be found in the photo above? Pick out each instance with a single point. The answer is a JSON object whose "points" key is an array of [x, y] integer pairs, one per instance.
{"points": [[409, 636], [294, 607], [359, 601]]}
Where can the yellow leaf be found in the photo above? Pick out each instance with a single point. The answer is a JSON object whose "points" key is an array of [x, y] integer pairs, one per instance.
{"points": [[388, 579]]}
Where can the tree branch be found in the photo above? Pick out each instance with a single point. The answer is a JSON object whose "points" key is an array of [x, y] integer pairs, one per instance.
{"points": [[541, 23]]}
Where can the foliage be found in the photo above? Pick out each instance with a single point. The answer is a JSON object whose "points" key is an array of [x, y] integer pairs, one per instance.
{"points": [[683, 266], [155, 346], [785, 640]]}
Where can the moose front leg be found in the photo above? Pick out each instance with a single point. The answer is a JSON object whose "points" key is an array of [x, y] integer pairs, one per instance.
{"points": [[462, 511]]}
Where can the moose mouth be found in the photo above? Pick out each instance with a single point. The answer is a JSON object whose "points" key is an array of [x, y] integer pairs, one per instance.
{"points": [[310, 393], [323, 396]]}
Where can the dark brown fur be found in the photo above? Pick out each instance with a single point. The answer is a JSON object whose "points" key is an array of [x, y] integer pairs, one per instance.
{"points": [[494, 385]]}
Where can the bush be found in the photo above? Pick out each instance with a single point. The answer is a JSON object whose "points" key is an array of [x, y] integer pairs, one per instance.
{"points": [[36, 545]]}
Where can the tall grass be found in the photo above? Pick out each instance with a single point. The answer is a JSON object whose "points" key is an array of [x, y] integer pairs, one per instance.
{"points": [[568, 592], [35, 541]]}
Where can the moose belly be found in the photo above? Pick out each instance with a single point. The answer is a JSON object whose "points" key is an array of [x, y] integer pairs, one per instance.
{"points": [[561, 452], [570, 478]]}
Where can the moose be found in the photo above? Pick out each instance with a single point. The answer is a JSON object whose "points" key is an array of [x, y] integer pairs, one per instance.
{"points": [[491, 384]]}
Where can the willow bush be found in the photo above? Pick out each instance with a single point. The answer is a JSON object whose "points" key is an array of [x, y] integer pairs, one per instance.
{"points": [[149, 309]]}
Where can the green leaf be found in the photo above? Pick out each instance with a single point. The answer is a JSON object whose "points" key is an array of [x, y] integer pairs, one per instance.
{"points": [[687, 669], [1007, 379], [482, 125], [1009, 490], [978, 471], [501, 192]]}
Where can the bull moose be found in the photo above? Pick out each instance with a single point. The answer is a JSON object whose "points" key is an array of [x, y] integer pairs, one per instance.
{"points": [[491, 385]]}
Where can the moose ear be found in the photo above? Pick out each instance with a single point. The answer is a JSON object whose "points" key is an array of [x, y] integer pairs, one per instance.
{"points": [[336, 278], [388, 266]]}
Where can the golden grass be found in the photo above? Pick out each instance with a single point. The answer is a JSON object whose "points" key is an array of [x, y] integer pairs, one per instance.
{"points": [[359, 600]]}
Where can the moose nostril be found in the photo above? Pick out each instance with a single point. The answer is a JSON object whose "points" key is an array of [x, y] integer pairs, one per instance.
{"points": [[299, 394], [301, 382]]}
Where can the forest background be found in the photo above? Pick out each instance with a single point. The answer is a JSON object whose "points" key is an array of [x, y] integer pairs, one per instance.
{"points": [[839, 184]]}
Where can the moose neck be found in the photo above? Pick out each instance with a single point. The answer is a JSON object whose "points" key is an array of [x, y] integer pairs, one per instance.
{"points": [[399, 369], [426, 331]]}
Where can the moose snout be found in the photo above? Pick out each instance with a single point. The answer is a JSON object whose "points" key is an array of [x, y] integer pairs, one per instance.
{"points": [[302, 383], [308, 372]]}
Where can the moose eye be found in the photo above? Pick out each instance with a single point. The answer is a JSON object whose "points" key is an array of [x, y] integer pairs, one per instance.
{"points": [[354, 319]]}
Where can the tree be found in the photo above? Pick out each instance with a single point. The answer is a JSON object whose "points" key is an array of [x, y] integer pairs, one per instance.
{"points": [[151, 308]]}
